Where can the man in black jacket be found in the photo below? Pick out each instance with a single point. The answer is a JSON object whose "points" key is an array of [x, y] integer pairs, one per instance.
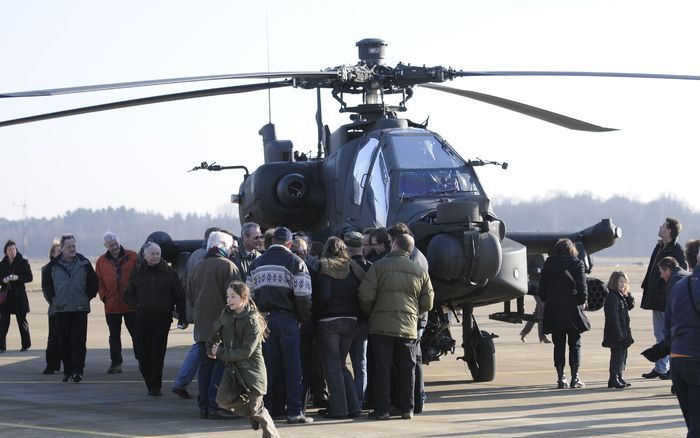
{"points": [[654, 287], [281, 286]]}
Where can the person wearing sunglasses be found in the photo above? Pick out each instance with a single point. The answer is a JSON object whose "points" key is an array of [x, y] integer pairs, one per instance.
{"points": [[248, 250]]}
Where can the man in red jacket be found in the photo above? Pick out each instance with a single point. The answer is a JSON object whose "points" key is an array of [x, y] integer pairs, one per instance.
{"points": [[113, 270]]}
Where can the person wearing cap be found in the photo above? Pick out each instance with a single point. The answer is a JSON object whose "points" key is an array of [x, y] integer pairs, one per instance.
{"points": [[281, 287], [358, 349], [206, 289]]}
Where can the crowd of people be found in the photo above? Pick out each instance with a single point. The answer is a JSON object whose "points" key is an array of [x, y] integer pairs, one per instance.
{"points": [[276, 316]]}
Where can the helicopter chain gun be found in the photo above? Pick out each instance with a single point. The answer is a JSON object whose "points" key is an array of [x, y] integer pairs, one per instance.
{"points": [[380, 169]]}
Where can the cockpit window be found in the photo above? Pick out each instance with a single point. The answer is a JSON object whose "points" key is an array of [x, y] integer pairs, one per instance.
{"points": [[379, 193], [436, 181], [423, 151], [359, 172]]}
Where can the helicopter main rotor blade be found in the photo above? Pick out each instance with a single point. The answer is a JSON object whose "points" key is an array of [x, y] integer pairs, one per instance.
{"points": [[579, 73], [149, 100], [103, 87], [528, 110]]}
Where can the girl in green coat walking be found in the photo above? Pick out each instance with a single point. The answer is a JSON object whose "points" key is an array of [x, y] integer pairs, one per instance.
{"points": [[237, 339]]}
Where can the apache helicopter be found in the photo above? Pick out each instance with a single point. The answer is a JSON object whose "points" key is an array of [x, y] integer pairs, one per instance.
{"points": [[380, 169]]}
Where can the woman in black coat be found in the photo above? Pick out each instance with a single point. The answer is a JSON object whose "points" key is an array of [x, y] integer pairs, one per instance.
{"points": [[154, 289], [14, 272], [617, 335], [563, 290]]}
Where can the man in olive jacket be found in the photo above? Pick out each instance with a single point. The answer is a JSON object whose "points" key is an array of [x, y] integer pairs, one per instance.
{"points": [[394, 292]]}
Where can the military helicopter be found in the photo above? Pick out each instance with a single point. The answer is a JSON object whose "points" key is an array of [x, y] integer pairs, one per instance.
{"points": [[380, 169]]}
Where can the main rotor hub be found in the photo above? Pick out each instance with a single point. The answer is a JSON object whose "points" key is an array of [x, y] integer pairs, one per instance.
{"points": [[371, 50]]}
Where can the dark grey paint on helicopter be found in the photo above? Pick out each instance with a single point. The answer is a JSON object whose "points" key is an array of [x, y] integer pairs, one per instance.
{"points": [[381, 169]]}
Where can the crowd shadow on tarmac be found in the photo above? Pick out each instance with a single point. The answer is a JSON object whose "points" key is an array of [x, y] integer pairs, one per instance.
{"points": [[520, 402]]}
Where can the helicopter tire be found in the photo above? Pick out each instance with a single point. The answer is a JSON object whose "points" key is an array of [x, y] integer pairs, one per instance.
{"points": [[484, 370]]}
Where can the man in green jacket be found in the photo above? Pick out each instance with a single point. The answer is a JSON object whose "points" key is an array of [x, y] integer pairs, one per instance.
{"points": [[394, 292]]}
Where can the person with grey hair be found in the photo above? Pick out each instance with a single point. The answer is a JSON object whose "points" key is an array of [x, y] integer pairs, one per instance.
{"points": [[70, 286], [248, 251], [206, 289], [190, 365], [394, 292], [154, 290], [113, 269]]}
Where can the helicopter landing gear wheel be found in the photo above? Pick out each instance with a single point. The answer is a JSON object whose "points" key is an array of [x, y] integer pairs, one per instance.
{"points": [[482, 363], [479, 349]]}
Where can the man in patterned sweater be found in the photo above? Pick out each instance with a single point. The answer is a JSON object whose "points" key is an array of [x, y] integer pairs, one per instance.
{"points": [[281, 287]]}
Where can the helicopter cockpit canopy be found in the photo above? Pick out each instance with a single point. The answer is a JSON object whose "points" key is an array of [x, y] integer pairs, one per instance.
{"points": [[426, 166]]}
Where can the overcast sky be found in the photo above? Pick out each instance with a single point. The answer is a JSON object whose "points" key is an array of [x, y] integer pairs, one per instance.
{"points": [[138, 157]]}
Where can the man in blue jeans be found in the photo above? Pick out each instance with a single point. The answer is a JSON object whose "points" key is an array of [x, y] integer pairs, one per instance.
{"points": [[654, 288], [683, 336], [281, 284], [188, 369]]}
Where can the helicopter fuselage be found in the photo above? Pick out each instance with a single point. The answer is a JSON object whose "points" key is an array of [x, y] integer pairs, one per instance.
{"points": [[386, 171]]}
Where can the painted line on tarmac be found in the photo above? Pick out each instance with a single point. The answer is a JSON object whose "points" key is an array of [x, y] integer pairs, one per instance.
{"points": [[547, 371], [60, 429], [83, 382]]}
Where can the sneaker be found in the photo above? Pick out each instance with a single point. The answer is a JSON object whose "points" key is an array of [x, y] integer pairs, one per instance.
{"points": [[299, 419], [665, 376], [255, 424], [182, 393], [651, 374], [384, 416], [66, 377], [407, 416], [114, 369], [155, 392], [77, 378]]}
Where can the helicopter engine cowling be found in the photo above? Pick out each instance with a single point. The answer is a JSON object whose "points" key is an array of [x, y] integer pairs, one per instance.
{"points": [[288, 193]]}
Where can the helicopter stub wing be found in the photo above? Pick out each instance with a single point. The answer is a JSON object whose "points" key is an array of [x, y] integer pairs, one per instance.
{"points": [[594, 238]]}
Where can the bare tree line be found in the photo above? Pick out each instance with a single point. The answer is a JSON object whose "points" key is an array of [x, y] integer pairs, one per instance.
{"points": [[639, 221]]}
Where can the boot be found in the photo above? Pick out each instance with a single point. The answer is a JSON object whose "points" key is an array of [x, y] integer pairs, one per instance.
{"points": [[614, 381], [575, 381], [561, 378], [623, 381]]}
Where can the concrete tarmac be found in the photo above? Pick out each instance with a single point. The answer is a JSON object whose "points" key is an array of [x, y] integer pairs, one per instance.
{"points": [[521, 402]]}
